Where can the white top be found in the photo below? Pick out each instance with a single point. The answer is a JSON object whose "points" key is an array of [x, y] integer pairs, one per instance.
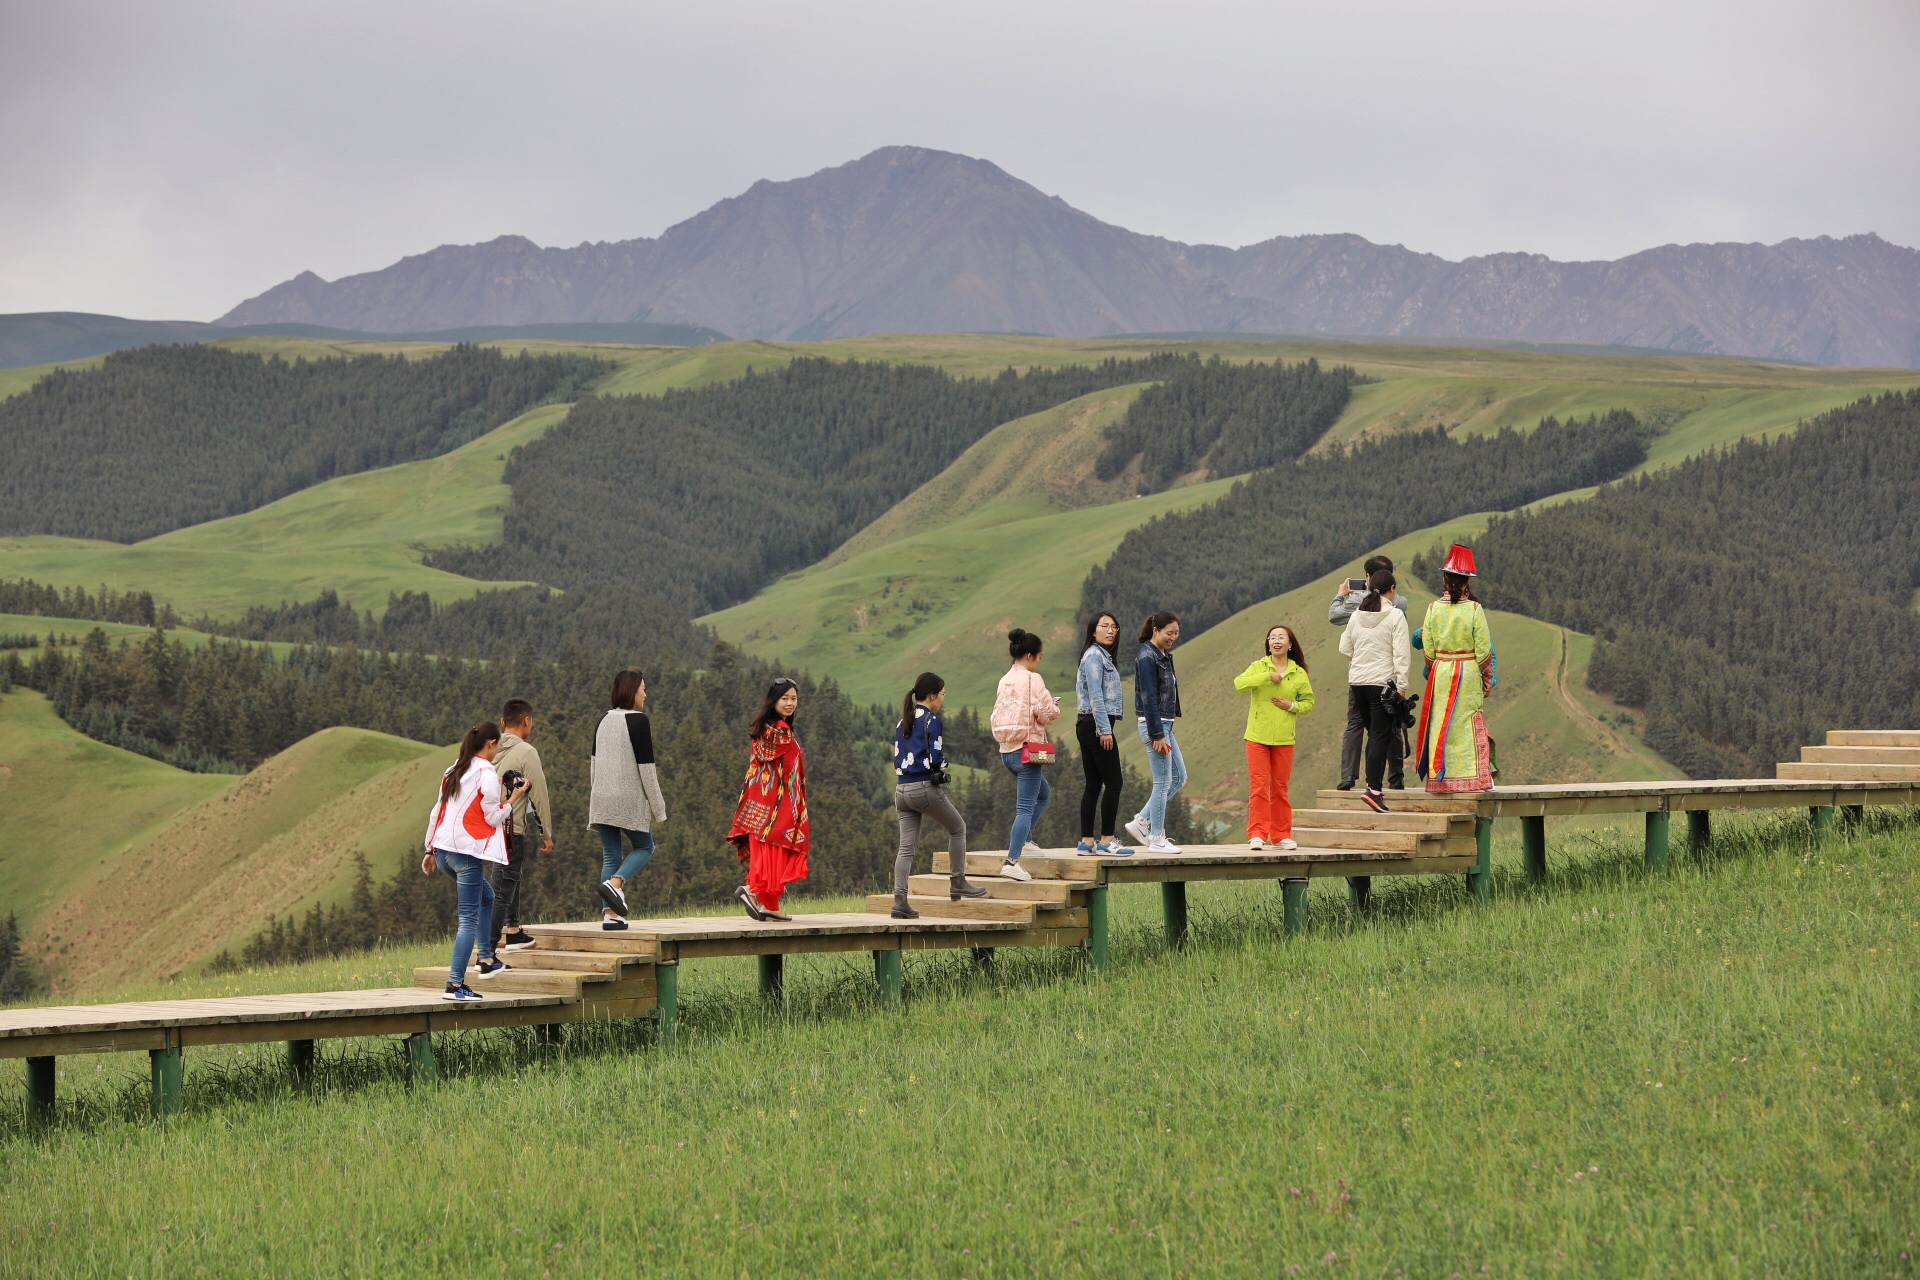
{"points": [[1380, 646], [471, 821]]}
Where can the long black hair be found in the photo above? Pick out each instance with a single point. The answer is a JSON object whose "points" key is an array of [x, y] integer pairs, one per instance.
{"points": [[1379, 582], [925, 687], [1113, 650], [472, 743], [768, 714], [1457, 587]]}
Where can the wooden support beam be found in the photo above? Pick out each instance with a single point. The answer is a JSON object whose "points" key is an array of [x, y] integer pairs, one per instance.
{"points": [[1658, 822], [886, 976], [1293, 907], [1699, 829], [420, 1064], [1360, 892], [300, 1062], [40, 1090], [166, 1083], [1533, 848], [773, 977], [666, 1013], [1173, 904], [1480, 879], [1098, 927]]}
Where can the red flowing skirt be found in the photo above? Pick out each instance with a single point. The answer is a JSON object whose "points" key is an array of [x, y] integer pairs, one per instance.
{"points": [[771, 868]]}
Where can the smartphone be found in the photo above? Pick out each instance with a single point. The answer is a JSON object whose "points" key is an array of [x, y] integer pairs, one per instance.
{"points": [[1356, 584]]}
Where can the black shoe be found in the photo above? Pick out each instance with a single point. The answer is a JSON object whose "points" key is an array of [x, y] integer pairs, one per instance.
{"points": [[490, 968], [777, 917], [611, 894], [1345, 786], [751, 903], [962, 889], [901, 911], [1375, 801], [460, 993], [515, 942], [612, 922]]}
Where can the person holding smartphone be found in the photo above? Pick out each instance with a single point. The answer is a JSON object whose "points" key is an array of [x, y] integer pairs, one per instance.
{"points": [[1345, 601], [1022, 710]]}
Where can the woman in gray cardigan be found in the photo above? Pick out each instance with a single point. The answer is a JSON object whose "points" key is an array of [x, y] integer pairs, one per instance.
{"points": [[626, 792]]}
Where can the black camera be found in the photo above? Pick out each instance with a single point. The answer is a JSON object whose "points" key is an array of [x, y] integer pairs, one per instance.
{"points": [[511, 779]]}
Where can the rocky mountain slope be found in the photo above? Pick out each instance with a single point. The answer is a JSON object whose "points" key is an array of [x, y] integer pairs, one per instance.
{"points": [[912, 240]]}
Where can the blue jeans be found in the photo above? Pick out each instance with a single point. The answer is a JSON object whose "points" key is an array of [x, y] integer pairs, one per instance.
{"points": [[476, 910], [1030, 801], [1169, 775], [611, 864]]}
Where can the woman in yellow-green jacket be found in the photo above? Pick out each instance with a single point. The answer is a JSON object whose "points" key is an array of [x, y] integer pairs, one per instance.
{"points": [[1277, 692]]}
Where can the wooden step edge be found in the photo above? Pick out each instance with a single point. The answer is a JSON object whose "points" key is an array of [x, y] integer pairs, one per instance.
{"points": [[999, 888], [965, 909]]}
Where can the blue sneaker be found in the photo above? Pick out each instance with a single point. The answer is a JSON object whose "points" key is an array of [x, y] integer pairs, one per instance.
{"points": [[1085, 846], [460, 993], [1110, 849]]}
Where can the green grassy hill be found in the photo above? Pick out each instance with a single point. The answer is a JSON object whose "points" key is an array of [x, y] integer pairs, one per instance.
{"points": [[121, 866]]}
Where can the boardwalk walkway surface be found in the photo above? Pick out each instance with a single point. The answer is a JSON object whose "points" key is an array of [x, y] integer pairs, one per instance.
{"points": [[582, 973]]}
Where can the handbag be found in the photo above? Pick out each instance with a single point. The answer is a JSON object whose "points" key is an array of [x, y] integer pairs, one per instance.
{"points": [[1036, 753]]}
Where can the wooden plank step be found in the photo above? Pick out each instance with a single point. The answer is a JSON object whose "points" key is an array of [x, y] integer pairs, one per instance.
{"points": [[1352, 838], [1860, 755], [1873, 737], [1058, 892], [1848, 772], [985, 866], [1365, 819], [610, 962], [589, 936], [965, 909], [516, 982], [1397, 802]]}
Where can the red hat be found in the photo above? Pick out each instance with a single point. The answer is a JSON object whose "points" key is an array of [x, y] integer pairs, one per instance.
{"points": [[1459, 560]]}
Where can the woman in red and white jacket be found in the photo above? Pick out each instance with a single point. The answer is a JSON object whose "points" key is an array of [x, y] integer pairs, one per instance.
{"points": [[1022, 710], [463, 831]]}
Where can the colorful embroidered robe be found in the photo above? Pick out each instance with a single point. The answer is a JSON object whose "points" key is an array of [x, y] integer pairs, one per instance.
{"points": [[1455, 753]]}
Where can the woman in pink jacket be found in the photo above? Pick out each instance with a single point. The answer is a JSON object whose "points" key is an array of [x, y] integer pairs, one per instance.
{"points": [[1022, 710]]}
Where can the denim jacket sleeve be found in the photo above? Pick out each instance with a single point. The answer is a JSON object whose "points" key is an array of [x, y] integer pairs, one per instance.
{"points": [[1090, 689], [1146, 691]]}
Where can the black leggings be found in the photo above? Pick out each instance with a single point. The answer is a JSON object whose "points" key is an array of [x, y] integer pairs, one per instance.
{"points": [[1101, 765], [1381, 732]]}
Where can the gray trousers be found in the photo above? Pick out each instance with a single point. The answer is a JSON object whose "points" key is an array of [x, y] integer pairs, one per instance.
{"points": [[916, 804]]}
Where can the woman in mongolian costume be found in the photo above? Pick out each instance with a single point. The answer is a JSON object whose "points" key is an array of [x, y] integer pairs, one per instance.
{"points": [[1455, 753], [769, 829]]}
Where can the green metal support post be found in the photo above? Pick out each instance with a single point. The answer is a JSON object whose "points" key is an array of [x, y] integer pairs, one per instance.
{"points": [[886, 974], [1699, 829], [1658, 821], [773, 977], [1293, 907], [1480, 879], [1097, 927], [1533, 848], [666, 1012], [1821, 816], [420, 1065], [982, 958], [1856, 814], [300, 1062], [1173, 902], [40, 1090], [1360, 892], [167, 1085]]}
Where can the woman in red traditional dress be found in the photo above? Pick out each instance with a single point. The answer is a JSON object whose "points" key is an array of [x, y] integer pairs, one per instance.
{"points": [[770, 825]]}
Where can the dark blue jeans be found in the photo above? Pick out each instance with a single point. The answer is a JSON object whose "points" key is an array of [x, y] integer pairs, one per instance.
{"points": [[1030, 801], [476, 910], [610, 862]]}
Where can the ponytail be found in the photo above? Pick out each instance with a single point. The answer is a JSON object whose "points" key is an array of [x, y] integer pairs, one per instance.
{"points": [[925, 687], [1156, 622], [1379, 582], [472, 744]]}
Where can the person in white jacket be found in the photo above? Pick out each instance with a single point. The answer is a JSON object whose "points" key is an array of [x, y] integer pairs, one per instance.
{"points": [[463, 831], [1380, 654]]}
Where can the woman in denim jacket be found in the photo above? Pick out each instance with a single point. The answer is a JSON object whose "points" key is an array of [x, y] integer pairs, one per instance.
{"points": [[1156, 699], [1096, 690]]}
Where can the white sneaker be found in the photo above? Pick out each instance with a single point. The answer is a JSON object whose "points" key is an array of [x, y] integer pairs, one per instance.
{"points": [[1014, 871], [1288, 845], [1137, 828], [1160, 844], [1256, 844], [1030, 849]]}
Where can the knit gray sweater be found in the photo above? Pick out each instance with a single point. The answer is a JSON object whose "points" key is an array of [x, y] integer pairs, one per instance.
{"points": [[626, 786]]}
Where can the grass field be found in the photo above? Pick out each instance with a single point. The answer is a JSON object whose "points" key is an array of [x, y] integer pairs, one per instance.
{"points": [[119, 865], [1612, 1075]]}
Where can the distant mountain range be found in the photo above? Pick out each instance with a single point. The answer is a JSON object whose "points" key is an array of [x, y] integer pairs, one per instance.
{"points": [[912, 240]]}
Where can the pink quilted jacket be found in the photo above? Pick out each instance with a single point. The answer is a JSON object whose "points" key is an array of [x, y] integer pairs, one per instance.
{"points": [[1022, 709]]}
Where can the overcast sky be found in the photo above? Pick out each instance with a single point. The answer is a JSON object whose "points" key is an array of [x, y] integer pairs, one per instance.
{"points": [[169, 160]]}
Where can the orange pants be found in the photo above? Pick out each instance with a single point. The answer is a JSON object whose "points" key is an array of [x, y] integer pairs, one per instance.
{"points": [[1269, 813]]}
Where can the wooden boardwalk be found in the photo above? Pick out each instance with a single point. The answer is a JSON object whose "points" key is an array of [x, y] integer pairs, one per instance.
{"points": [[582, 973]]}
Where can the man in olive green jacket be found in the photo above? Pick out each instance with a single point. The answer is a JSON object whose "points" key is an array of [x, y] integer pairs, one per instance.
{"points": [[516, 726]]}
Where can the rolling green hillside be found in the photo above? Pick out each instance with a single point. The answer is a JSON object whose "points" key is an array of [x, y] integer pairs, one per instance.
{"points": [[120, 866]]}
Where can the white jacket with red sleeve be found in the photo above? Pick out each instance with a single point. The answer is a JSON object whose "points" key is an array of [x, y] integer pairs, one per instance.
{"points": [[472, 820]]}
